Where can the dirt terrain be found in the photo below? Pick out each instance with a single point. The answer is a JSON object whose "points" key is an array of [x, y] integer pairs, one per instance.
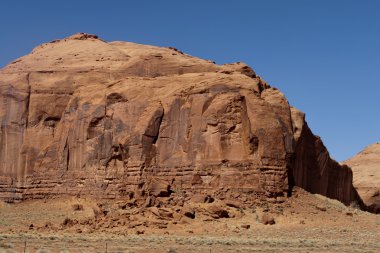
{"points": [[303, 223]]}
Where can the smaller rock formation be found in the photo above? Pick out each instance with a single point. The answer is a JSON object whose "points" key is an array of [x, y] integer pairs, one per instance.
{"points": [[366, 176]]}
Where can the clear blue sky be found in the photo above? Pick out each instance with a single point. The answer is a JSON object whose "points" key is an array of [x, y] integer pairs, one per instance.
{"points": [[324, 55]]}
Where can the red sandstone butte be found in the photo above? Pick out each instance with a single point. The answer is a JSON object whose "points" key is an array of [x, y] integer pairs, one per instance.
{"points": [[81, 116]]}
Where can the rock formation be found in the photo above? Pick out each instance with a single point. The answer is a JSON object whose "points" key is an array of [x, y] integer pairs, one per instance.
{"points": [[80, 116], [366, 175]]}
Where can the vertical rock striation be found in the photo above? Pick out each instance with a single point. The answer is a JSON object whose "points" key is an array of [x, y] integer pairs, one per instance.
{"points": [[314, 170]]}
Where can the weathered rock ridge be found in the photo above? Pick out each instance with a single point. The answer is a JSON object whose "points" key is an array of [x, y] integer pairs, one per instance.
{"points": [[80, 116], [366, 175]]}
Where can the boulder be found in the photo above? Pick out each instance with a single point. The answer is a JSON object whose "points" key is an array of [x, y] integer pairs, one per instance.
{"points": [[267, 219], [246, 226], [202, 198], [188, 212], [233, 203], [218, 211], [158, 188]]}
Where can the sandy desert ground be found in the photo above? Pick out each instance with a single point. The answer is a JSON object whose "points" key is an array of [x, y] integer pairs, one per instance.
{"points": [[303, 223]]}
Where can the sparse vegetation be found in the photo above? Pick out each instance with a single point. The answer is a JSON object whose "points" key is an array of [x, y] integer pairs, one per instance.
{"points": [[5, 245], [43, 251], [355, 205]]}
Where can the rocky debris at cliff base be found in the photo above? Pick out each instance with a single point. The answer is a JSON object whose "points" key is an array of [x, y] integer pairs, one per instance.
{"points": [[57, 215]]}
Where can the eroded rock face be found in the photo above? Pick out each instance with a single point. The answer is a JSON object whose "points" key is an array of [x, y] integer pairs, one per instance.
{"points": [[81, 116], [314, 170], [366, 175]]}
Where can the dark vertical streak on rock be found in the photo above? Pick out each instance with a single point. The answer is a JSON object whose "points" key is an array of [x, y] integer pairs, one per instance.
{"points": [[151, 135], [66, 155], [251, 142], [26, 115]]}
